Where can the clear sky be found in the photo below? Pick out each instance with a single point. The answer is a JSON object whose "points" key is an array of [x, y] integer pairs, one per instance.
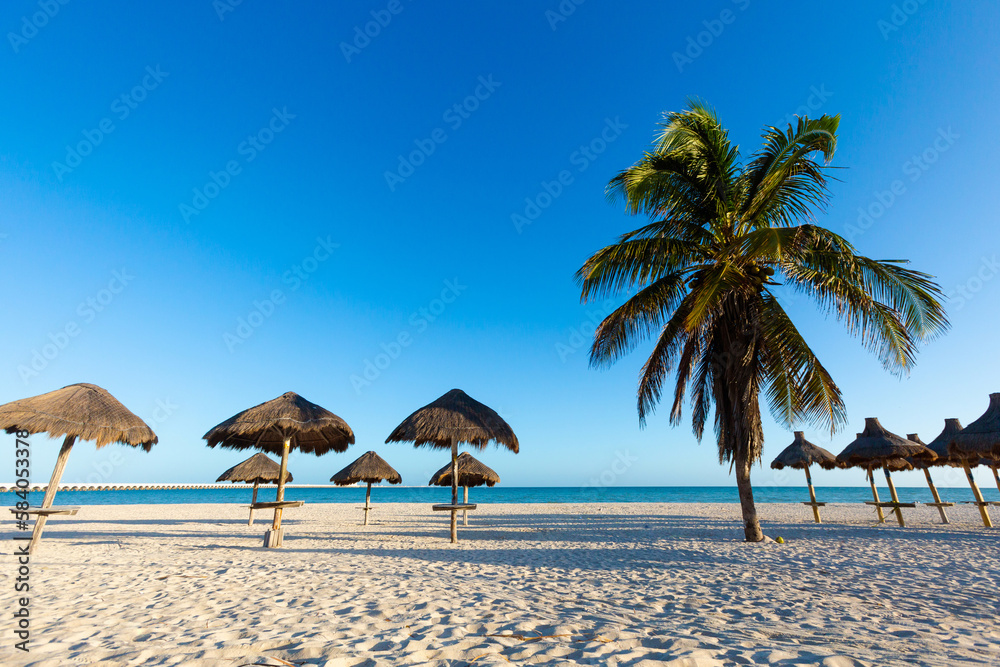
{"points": [[205, 205]]}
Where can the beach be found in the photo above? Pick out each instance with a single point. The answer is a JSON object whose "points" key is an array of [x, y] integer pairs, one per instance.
{"points": [[635, 584]]}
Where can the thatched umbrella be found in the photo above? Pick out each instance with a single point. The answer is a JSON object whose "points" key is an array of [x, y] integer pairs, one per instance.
{"points": [[471, 472], [800, 455], [276, 427], [942, 447], [925, 465], [370, 468], [258, 469], [452, 419], [875, 447], [83, 411], [981, 438]]}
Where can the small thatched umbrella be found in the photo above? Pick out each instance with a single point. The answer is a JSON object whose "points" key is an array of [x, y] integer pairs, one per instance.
{"points": [[471, 472], [277, 426], [925, 465], [958, 458], [258, 469], [800, 455], [370, 468], [452, 419], [875, 447], [981, 438], [83, 411]]}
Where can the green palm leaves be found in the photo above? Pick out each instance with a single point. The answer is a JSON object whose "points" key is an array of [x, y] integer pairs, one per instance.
{"points": [[701, 278]]}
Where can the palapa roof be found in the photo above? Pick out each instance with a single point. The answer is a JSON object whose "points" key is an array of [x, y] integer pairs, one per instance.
{"points": [[83, 410], [981, 438], [369, 468], [471, 472], [455, 415], [802, 453], [258, 468], [876, 447], [311, 428], [939, 445]]}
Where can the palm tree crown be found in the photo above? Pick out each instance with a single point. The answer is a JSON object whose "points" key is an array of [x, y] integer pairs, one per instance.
{"points": [[701, 277]]}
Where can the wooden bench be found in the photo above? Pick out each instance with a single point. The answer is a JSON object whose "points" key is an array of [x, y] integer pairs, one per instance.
{"points": [[812, 504], [68, 510], [985, 503], [456, 508], [940, 504], [889, 504], [274, 504]]}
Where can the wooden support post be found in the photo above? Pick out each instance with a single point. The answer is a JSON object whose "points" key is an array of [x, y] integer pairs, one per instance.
{"points": [[812, 495], [368, 497], [871, 478], [253, 500], [895, 498], [454, 489], [937, 497], [273, 537], [50, 491], [979, 497], [465, 513], [996, 476]]}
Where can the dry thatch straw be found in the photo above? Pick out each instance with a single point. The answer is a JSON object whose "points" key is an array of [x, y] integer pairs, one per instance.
{"points": [[802, 453], [471, 473], [258, 469], [370, 468], [939, 445], [875, 447], [981, 438], [455, 417], [266, 426], [83, 411]]}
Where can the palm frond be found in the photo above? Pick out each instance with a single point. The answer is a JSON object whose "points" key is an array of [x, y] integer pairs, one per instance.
{"points": [[798, 386], [636, 319]]}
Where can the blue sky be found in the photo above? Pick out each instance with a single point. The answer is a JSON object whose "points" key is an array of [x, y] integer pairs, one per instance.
{"points": [[203, 206]]}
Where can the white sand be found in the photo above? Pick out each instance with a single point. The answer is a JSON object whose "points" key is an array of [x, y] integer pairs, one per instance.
{"points": [[625, 584]]}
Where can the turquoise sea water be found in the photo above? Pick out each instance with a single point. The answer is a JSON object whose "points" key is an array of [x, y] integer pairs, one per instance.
{"points": [[508, 494]]}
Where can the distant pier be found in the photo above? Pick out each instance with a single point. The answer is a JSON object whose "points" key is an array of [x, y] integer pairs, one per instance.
{"points": [[7, 487]]}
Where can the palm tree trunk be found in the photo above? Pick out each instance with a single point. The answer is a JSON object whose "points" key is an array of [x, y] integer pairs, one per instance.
{"points": [[751, 526]]}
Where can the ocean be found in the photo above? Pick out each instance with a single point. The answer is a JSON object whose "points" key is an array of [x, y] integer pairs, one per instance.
{"points": [[504, 494]]}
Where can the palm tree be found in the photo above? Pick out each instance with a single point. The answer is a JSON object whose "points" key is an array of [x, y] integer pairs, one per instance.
{"points": [[701, 275]]}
